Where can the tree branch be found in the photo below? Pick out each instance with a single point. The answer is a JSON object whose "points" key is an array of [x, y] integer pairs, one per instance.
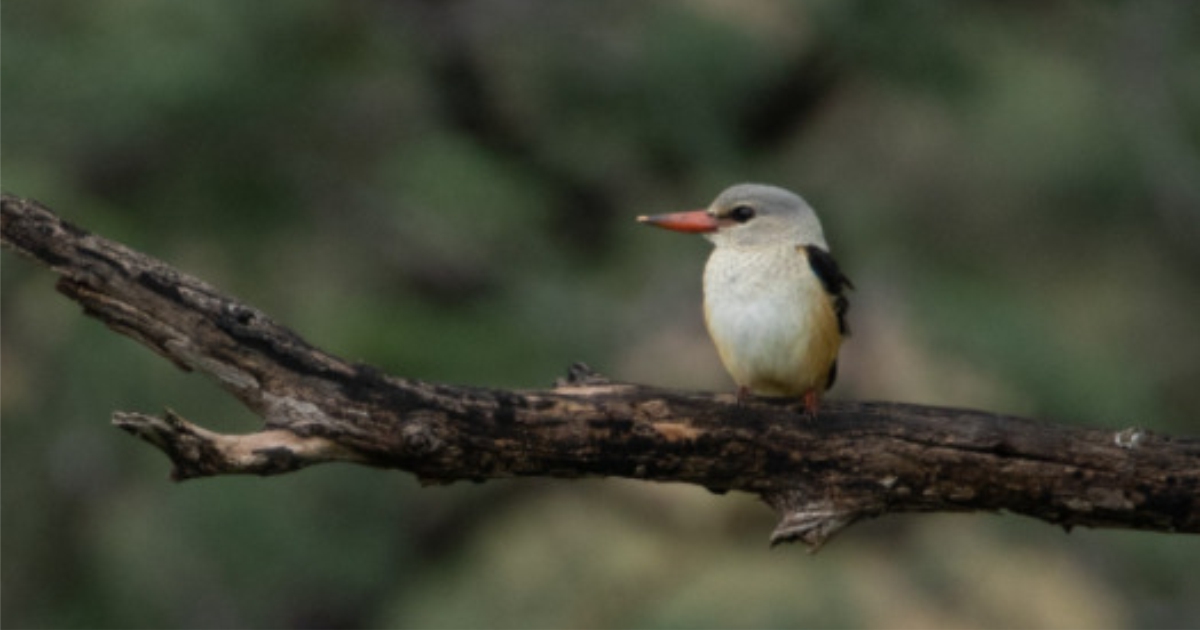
{"points": [[857, 460]]}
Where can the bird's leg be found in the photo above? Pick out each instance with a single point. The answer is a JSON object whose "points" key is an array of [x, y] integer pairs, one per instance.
{"points": [[743, 394], [812, 403]]}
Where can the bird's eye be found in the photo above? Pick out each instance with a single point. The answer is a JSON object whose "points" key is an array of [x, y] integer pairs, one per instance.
{"points": [[741, 214]]}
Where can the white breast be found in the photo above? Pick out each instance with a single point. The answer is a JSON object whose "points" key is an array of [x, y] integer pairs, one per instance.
{"points": [[770, 319]]}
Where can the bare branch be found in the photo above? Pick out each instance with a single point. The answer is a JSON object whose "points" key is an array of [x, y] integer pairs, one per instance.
{"points": [[857, 460]]}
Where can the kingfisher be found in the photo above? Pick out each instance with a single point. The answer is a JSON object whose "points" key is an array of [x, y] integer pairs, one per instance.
{"points": [[774, 297]]}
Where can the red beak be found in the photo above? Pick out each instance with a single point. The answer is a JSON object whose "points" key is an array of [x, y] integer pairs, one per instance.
{"points": [[695, 221]]}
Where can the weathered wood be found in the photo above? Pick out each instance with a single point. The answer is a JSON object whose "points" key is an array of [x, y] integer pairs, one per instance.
{"points": [[856, 460]]}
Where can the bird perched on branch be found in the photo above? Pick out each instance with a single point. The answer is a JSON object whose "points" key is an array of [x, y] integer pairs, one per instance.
{"points": [[773, 295]]}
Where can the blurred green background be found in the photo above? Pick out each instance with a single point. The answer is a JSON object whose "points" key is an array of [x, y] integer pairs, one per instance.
{"points": [[447, 190]]}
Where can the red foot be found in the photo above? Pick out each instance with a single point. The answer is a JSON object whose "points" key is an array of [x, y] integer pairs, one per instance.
{"points": [[811, 403]]}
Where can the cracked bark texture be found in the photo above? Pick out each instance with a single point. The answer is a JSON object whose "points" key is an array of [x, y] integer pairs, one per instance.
{"points": [[855, 460]]}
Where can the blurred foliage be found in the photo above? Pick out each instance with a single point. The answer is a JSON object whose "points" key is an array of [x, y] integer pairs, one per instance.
{"points": [[446, 190]]}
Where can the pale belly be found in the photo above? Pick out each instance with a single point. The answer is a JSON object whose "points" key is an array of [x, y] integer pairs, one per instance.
{"points": [[772, 323]]}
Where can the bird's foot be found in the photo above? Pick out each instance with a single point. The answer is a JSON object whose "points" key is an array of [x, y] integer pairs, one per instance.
{"points": [[812, 404], [743, 395]]}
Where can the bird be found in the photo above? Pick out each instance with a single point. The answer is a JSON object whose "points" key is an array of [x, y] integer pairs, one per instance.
{"points": [[774, 297]]}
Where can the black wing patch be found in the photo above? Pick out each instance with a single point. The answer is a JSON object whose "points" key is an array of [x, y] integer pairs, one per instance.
{"points": [[834, 281]]}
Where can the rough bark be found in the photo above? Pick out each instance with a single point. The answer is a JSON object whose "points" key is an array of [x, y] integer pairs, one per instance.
{"points": [[855, 460]]}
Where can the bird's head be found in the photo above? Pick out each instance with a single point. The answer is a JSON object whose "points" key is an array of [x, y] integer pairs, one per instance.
{"points": [[749, 215]]}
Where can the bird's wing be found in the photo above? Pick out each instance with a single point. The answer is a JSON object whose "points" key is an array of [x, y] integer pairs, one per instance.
{"points": [[835, 284], [834, 281]]}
